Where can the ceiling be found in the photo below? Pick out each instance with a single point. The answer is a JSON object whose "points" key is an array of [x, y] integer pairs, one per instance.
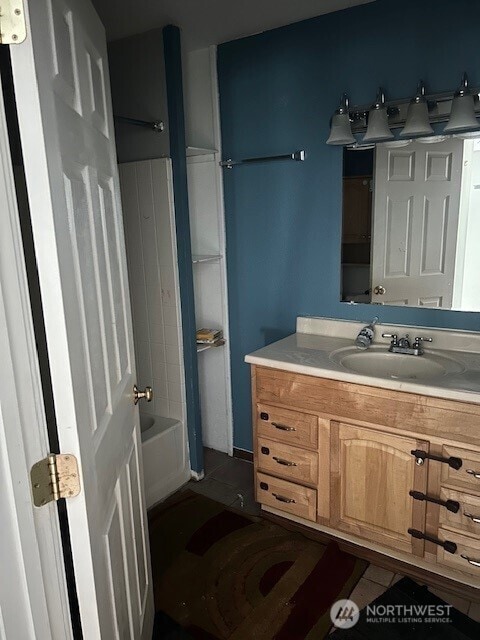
{"points": [[206, 22]]}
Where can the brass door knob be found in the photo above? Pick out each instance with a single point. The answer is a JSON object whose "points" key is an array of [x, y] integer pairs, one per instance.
{"points": [[379, 290], [146, 394]]}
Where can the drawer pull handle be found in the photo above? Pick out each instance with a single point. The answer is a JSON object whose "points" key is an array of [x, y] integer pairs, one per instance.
{"points": [[449, 546], [450, 505], [282, 427], [421, 456], [280, 498], [475, 474], [286, 463], [476, 563], [472, 517]]}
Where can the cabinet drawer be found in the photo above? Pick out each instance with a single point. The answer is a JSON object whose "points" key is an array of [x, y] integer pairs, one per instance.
{"points": [[287, 426], [287, 496], [468, 476], [287, 461], [466, 546], [467, 517]]}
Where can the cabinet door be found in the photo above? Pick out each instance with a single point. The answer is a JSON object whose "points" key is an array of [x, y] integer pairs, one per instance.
{"points": [[372, 475]]}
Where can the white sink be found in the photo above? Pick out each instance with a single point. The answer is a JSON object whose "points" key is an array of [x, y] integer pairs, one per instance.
{"points": [[379, 362]]}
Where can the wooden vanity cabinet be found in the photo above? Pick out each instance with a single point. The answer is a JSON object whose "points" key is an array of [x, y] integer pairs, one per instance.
{"points": [[370, 467]]}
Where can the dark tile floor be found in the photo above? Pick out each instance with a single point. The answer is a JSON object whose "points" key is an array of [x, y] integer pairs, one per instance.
{"points": [[227, 480]]}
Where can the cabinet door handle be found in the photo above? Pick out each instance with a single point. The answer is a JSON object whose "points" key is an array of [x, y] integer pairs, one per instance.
{"points": [[475, 474], [450, 505], [472, 517], [282, 427], [280, 498], [448, 545], [476, 563], [453, 462], [286, 463]]}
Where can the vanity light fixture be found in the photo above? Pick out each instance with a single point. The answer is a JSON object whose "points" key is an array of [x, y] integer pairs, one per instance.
{"points": [[414, 117], [418, 122], [462, 115], [341, 128], [378, 129]]}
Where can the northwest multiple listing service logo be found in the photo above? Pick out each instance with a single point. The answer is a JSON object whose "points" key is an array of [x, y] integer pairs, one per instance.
{"points": [[345, 614]]}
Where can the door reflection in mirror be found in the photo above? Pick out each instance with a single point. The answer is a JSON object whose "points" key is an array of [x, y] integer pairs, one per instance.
{"points": [[411, 223]]}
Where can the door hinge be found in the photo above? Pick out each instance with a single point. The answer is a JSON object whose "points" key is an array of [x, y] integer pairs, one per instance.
{"points": [[54, 477], [13, 29]]}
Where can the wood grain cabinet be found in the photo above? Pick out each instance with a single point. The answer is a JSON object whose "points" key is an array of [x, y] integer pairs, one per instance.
{"points": [[373, 474], [388, 472]]}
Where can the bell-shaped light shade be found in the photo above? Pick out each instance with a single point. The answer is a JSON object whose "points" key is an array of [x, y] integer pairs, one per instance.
{"points": [[418, 122], [341, 128], [378, 128], [462, 115]]}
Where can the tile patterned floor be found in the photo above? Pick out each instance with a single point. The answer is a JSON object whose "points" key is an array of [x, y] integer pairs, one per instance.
{"points": [[230, 481], [227, 480]]}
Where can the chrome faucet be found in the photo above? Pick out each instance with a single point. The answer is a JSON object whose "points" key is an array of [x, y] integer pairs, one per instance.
{"points": [[402, 345]]}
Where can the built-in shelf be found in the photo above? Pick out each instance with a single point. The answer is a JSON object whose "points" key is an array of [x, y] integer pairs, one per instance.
{"points": [[205, 258], [204, 347], [198, 151]]}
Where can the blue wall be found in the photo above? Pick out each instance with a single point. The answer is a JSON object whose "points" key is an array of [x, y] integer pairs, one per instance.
{"points": [[174, 83], [277, 93]]}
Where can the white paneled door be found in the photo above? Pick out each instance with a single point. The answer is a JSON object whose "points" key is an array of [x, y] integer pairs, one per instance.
{"points": [[63, 100], [33, 595], [415, 223]]}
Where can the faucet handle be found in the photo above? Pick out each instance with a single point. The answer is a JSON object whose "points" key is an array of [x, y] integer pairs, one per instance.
{"points": [[393, 336], [419, 340]]}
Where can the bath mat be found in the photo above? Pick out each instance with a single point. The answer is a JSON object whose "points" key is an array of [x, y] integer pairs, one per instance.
{"points": [[222, 574], [408, 593]]}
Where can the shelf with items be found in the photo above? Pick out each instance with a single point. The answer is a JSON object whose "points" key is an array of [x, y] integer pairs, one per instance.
{"points": [[203, 347], [201, 258], [207, 234]]}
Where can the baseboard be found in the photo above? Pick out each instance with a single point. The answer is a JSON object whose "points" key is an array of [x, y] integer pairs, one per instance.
{"points": [[242, 454]]}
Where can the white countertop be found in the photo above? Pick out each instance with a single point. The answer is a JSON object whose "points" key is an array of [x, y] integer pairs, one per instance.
{"points": [[309, 352]]}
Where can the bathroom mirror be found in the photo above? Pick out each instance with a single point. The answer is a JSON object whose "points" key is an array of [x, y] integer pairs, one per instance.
{"points": [[411, 223]]}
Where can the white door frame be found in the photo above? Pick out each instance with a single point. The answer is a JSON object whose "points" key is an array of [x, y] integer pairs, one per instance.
{"points": [[41, 601]]}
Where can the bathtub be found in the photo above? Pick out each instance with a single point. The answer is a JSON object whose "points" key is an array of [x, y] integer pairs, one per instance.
{"points": [[165, 456]]}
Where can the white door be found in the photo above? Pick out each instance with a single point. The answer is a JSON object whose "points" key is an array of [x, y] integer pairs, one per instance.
{"points": [[33, 595], [63, 100], [415, 223]]}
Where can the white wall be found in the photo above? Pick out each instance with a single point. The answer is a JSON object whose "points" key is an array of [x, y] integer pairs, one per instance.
{"points": [[470, 293], [137, 76], [200, 94]]}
